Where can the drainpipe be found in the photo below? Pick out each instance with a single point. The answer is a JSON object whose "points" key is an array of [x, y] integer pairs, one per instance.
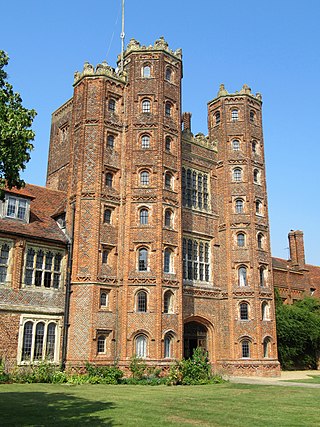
{"points": [[68, 292]]}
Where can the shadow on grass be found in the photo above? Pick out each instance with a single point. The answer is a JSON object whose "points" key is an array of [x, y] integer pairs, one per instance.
{"points": [[46, 409]]}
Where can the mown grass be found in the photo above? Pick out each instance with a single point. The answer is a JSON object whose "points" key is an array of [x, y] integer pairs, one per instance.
{"points": [[312, 379], [211, 405]]}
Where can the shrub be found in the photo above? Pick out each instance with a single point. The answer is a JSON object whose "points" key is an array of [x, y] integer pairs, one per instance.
{"points": [[103, 374], [4, 377], [137, 367]]}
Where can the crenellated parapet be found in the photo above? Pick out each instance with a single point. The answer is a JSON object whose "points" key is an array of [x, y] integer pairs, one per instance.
{"points": [[102, 69], [245, 90], [160, 44]]}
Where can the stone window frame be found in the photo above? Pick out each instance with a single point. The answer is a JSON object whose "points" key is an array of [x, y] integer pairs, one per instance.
{"points": [[241, 239], [168, 260], [252, 116], [260, 240], [6, 263], [141, 344], [266, 346], [145, 141], [168, 301], [141, 300], [239, 205], [112, 105], [107, 218], [217, 117], [109, 179], [169, 74], [21, 206], [140, 267], [246, 347], [111, 138], [196, 259], [242, 275], [168, 218], [265, 311], [235, 144], [256, 176], [36, 319], [237, 174], [168, 109], [263, 275], [144, 177], [146, 70], [195, 189], [104, 299], [146, 105], [168, 341], [234, 114], [57, 275], [168, 140], [258, 207], [143, 219], [244, 311]]}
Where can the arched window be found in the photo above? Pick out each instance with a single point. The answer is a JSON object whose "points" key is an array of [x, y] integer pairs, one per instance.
{"points": [[168, 302], [237, 174], [4, 262], [144, 216], [104, 299], [262, 275], [110, 141], [265, 311], [105, 256], [260, 240], [27, 340], [244, 311], [107, 216], [168, 180], [235, 145], [109, 179], [266, 347], [101, 344], [241, 240], [168, 346], [252, 116], [141, 301], [239, 206], [242, 276], [144, 178], [168, 143], [146, 106], [146, 72], [51, 340], [168, 109], [234, 115], [245, 348], [143, 259], [254, 146], [168, 74], [167, 261], [217, 117], [145, 141], [112, 105], [38, 345], [258, 207], [256, 176], [141, 346], [168, 218]]}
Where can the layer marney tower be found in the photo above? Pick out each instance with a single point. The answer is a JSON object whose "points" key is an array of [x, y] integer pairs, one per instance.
{"points": [[245, 273]]}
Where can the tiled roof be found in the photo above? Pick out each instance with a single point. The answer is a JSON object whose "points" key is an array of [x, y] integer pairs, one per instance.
{"points": [[280, 263], [44, 203]]}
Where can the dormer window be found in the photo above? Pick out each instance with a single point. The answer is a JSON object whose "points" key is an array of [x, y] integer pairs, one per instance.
{"points": [[16, 208]]}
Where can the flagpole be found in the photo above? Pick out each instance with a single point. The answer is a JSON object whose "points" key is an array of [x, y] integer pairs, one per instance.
{"points": [[122, 38]]}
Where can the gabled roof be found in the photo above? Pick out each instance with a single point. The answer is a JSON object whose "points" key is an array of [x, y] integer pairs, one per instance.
{"points": [[44, 203]]}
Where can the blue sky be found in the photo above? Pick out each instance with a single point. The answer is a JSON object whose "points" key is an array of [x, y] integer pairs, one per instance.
{"points": [[271, 45]]}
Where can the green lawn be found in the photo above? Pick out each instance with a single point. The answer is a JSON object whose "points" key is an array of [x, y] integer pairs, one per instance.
{"points": [[312, 379], [211, 405]]}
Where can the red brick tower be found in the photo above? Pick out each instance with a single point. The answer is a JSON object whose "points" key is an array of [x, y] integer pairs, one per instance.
{"points": [[249, 342]]}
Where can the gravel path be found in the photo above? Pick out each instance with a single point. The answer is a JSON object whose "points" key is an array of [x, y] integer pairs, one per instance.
{"points": [[283, 380]]}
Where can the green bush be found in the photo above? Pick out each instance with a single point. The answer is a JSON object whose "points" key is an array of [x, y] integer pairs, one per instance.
{"points": [[103, 374], [137, 367], [4, 377]]}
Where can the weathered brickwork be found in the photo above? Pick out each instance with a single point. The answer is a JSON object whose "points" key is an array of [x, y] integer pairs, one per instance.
{"points": [[169, 230]]}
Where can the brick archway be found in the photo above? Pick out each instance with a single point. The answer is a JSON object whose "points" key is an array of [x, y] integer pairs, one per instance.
{"points": [[195, 335]]}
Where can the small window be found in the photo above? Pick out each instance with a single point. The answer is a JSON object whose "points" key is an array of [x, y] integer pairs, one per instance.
{"points": [[244, 311], [146, 106], [144, 216], [266, 347], [256, 176], [167, 260], [168, 218], [260, 240], [265, 311], [235, 145], [109, 179], [16, 208], [104, 299], [168, 74], [144, 178], [242, 276], [142, 259], [141, 346], [168, 143], [254, 146], [168, 180], [168, 302], [234, 115], [107, 216], [105, 255], [142, 301], [217, 117], [262, 270], [4, 262], [237, 174], [168, 109], [258, 207], [145, 141], [245, 347], [112, 105], [252, 116], [168, 346], [101, 344], [241, 240], [146, 71], [239, 206], [110, 141]]}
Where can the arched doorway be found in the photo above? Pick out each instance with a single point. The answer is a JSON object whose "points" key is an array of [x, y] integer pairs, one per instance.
{"points": [[195, 335]]}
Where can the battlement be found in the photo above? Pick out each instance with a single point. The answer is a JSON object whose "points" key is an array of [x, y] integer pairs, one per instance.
{"points": [[159, 44], [102, 69], [245, 90]]}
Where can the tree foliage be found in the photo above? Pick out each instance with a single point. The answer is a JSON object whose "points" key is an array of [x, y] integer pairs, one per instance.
{"points": [[15, 132], [298, 333]]}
